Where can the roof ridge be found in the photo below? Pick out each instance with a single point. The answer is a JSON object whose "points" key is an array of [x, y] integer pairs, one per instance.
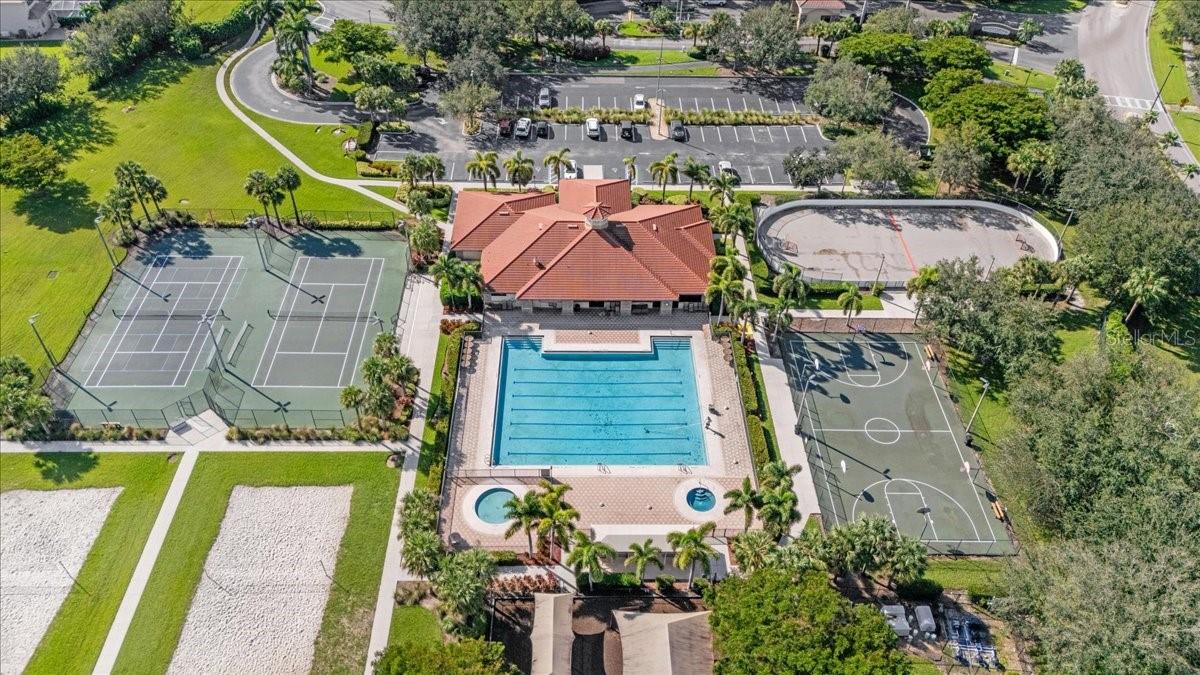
{"points": [[553, 261], [662, 244], [517, 255]]}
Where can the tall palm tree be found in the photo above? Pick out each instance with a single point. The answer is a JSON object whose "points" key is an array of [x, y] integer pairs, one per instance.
{"points": [[789, 283], [630, 168], [734, 220], [265, 12], [524, 511], [744, 311], [604, 28], [588, 555], [695, 171], [906, 561], [752, 550], [665, 170], [519, 168], [728, 264], [484, 167], [850, 302], [352, 397], [432, 167], [557, 161], [414, 168], [447, 268], [293, 33], [155, 191], [558, 518], [132, 175], [778, 510], [261, 187], [471, 285], [779, 316], [1146, 288], [774, 474], [746, 499], [692, 29], [690, 548], [725, 289], [722, 185], [288, 179], [642, 556]]}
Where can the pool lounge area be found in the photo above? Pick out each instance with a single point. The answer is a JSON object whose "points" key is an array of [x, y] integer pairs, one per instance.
{"points": [[557, 408]]}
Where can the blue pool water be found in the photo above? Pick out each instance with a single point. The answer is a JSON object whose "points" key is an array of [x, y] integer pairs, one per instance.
{"points": [[490, 505], [588, 407], [701, 499]]}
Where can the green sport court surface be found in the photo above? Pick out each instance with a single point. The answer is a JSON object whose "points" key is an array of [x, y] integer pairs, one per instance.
{"points": [[883, 438], [293, 315]]}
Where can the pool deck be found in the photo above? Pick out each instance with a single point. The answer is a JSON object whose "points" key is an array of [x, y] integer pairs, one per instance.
{"points": [[634, 500]]}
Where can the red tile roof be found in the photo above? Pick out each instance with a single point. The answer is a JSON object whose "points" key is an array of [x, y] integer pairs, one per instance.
{"points": [[592, 246], [479, 217]]}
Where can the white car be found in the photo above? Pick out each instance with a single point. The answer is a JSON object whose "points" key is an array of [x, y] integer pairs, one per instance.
{"points": [[639, 102], [725, 166], [524, 125], [713, 3], [593, 127]]}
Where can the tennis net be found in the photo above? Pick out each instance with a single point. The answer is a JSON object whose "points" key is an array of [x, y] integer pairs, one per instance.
{"points": [[191, 315], [323, 316]]}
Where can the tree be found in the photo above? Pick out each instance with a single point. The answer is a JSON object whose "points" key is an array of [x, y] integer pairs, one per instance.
{"points": [[779, 316], [1028, 29], [453, 28], [461, 582], [745, 499], [347, 39], [891, 53], [288, 179], [558, 517], [752, 550], [850, 302], [664, 170], [262, 188], [692, 29], [1071, 82], [27, 78], [695, 170], [557, 161], [691, 547], [722, 186], [946, 83], [432, 168], [265, 12], [958, 52], [789, 283], [845, 92], [642, 556], [23, 407], [132, 176], [774, 621], [604, 28], [26, 163], [769, 40], [1157, 233], [519, 168], [422, 552], [377, 100], [426, 239], [896, 20], [810, 167], [732, 220], [477, 65], [778, 510], [466, 101], [352, 397], [958, 162], [155, 191], [926, 277], [1147, 289], [1005, 115], [293, 33], [1024, 162], [484, 167], [524, 511], [114, 41], [724, 288], [876, 161], [630, 168], [907, 561], [467, 656], [375, 70], [588, 555]]}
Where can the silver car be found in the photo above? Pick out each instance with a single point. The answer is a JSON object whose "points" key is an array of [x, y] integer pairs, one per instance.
{"points": [[544, 100]]}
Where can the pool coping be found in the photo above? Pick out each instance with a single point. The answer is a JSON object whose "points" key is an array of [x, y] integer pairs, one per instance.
{"points": [[473, 494]]}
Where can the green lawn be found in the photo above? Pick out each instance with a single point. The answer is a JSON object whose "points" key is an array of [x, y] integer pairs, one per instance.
{"points": [[208, 10], [1188, 125], [345, 629], [977, 575], [74, 639], [1019, 75], [168, 117], [431, 453], [636, 29], [413, 623], [346, 87], [317, 144], [1032, 6], [1164, 54]]}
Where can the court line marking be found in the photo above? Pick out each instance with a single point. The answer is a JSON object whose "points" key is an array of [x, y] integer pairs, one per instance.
{"points": [[917, 484], [903, 431], [362, 339], [290, 289], [871, 348], [321, 323], [200, 328], [925, 504], [291, 308], [144, 290]]}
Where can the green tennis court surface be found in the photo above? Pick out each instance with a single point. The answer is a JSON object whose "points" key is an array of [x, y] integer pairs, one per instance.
{"points": [[263, 326], [883, 438]]}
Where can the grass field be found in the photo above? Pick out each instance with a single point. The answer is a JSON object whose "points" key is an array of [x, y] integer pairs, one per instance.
{"points": [[980, 576], [208, 10], [636, 29], [413, 623], [1164, 54], [168, 117], [346, 626], [1019, 75], [73, 641], [1031, 6], [1188, 125], [316, 144]]}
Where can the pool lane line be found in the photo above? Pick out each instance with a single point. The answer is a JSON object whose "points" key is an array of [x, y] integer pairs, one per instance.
{"points": [[900, 235]]}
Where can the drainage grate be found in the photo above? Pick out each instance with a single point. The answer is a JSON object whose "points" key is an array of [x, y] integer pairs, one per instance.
{"points": [[52, 274]]}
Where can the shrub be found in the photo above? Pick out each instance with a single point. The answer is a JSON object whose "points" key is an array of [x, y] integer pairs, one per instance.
{"points": [[739, 117], [214, 33], [610, 581], [578, 115], [758, 441], [366, 135], [745, 379], [665, 583], [503, 558], [376, 169], [877, 289], [919, 590]]}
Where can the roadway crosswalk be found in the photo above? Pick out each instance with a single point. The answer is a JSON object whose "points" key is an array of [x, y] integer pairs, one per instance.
{"points": [[1128, 102]]}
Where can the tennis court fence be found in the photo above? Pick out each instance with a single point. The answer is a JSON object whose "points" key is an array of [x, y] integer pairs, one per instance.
{"points": [[321, 218]]}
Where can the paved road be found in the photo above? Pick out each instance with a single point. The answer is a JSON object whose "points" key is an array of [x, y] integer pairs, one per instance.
{"points": [[1113, 49], [364, 11]]}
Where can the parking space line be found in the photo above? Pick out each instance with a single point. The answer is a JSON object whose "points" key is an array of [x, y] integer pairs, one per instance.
{"points": [[702, 138], [719, 139], [452, 167], [566, 101], [769, 134], [745, 106], [615, 106], [696, 102], [736, 136], [750, 172], [794, 108], [760, 105], [680, 102], [753, 136], [804, 134], [777, 108], [771, 174], [787, 135], [728, 104]]}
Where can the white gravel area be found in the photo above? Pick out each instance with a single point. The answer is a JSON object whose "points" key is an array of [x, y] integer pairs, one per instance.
{"points": [[259, 603], [45, 535]]}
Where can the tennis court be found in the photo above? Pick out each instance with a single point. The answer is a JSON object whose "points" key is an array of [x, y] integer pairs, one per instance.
{"points": [[883, 438], [238, 320]]}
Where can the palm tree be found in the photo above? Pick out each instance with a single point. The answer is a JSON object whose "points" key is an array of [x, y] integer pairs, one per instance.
{"points": [[695, 171], [752, 550], [779, 316], [692, 29], [604, 28], [557, 161], [414, 168], [265, 12], [132, 175], [588, 555], [432, 168], [353, 397], [470, 284], [630, 168], [1191, 169], [906, 561], [261, 187], [293, 33], [745, 499], [690, 548], [642, 556], [447, 268], [722, 185], [524, 511], [1146, 288], [558, 517], [850, 302], [743, 310], [926, 277], [724, 288], [665, 170], [778, 510], [288, 179], [728, 264], [789, 283], [519, 168], [156, 191], [484, 167], [774, 474], [733, 220]]}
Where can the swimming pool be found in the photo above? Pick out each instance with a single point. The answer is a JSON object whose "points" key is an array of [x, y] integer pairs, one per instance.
{"points": [[597, 407], [490, 505]]}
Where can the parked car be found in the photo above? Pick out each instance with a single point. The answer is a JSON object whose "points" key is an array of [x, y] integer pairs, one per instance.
{"points": [[639, 102], [573, 170], [678, 131], [544, 99], [543, 129], [627, 130], [725, 166], [505, 126], [593, 127], [524, 125], [713, 3]]}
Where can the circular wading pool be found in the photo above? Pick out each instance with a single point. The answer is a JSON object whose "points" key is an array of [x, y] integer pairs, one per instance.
{"points": [[701, 499], [490, 505]]}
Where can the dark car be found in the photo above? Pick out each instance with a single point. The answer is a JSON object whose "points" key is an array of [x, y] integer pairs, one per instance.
{"points": [[627, 130], [542, 128], [678, 131], [505, 127]]}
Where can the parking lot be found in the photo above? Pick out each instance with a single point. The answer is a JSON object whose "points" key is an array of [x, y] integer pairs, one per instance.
{"points": [[693, 94]]}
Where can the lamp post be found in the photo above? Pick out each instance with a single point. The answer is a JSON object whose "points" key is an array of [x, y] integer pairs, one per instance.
{"points": [[804, 392], [879, 273], [207, 321], [1158, 94], [49, 354], [1063, 230], [111, 259], [978, 403]]}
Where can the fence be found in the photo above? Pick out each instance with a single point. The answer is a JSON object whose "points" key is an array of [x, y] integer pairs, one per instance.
{"points": [[323, 217]]}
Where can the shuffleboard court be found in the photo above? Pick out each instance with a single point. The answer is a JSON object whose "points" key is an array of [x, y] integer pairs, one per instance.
{"points": [[883, 438]]}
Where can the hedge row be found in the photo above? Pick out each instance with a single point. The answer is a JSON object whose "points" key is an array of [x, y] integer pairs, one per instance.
{"points": [[759, 449], [740, 117], [609, 581], [745, 379], [441, 405], [579, 115], [214, 33]]}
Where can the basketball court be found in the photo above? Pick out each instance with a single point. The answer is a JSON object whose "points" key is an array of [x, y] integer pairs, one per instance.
{"points": [[883, 438]]}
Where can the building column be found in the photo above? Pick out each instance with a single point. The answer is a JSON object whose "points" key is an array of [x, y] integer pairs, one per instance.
{"points": [[568, 306], [665, 307], [527, 306], [626, 307]]}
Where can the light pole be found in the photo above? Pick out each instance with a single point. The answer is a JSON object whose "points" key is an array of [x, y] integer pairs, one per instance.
{"points": [[207, 321], [1158, 94], [879, 273], [978, 403], [804, 392], [112, 260], [49, 354], [1063, 231]]}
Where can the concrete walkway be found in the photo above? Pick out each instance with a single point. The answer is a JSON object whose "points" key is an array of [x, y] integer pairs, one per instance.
{"points": [[145, 564]]}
